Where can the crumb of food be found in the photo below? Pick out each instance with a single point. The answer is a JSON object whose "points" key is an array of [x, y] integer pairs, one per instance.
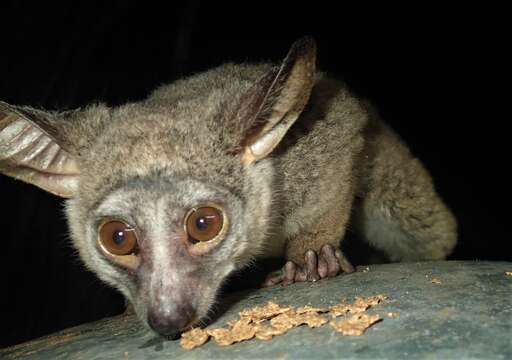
{"points": [[366, 269], [267, 311], [285, 320], [243, 330], [435, 281], [355, 325], [360, 305], [509, 273], [266, 332], [343, 308], [222, 336], [310, 309], [313, 320], [374, 300], [392, 314], [269, 320], [241, 320], [193, 338]]}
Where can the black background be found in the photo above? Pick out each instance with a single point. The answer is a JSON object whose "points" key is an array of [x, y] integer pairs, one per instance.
{"points": [[433, 73]]}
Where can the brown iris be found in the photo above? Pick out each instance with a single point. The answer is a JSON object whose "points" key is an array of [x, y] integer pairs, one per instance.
{"points": [[118, 238], [203, 223]]}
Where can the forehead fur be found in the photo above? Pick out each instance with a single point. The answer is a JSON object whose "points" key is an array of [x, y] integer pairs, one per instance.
{"points": [[182, 129]]}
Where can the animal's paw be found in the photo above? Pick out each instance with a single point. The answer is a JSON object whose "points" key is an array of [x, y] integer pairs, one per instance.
{"points": [[328, 263]]}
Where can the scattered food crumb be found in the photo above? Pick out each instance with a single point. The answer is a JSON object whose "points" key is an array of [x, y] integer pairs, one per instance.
{"points": [[509, 273], [310, 309], [366, 269], [243, 330], [435, 281], [392, 314], [263, 312], [193, 338], [285, 321], [312, 320], [342, 309], [265, 332], [374, 300], [360, 305], [356, 325], [222, 336], [271, 319]]}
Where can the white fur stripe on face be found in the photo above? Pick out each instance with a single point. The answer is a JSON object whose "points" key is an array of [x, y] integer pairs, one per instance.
{"points": [[160, 249]]}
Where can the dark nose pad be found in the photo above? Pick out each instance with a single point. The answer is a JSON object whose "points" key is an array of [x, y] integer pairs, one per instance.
{"points": [[170, 324]]}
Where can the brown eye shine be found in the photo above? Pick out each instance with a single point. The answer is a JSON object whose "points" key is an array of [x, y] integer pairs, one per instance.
{"points": [[204, 223], [118, 238]]}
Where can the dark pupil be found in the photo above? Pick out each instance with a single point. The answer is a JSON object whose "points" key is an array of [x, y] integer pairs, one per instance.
{"points": [[202, 223], [118, 237]]}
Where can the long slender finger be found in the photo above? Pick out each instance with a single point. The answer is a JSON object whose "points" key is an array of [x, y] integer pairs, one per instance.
{"points": [[312, 266], [273, 278], [301, 274], [346, 266], [323, 267], [328, 254], [289, 273]]}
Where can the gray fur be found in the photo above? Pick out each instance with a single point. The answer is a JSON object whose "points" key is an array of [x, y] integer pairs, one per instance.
{"points": [[149, 162]]}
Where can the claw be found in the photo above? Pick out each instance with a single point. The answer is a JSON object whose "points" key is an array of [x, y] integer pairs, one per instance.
{"points": [[346, 266]]}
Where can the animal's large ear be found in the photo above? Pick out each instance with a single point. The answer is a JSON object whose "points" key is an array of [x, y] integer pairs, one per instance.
{"points": [[33, 149], [272, 105]]}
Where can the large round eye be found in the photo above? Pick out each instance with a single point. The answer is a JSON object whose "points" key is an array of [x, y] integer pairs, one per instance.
{"points": [[118, 238], [204, 223]]}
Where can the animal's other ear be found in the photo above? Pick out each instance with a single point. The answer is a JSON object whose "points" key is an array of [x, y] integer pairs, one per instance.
{"points": [[268, 109], [33, 149]]}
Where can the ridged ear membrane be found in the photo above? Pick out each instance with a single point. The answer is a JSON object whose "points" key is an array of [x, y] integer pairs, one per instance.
{"points": [[30, 151], [273, 104]]}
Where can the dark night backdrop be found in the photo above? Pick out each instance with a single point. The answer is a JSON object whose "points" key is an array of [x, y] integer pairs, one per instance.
{"points": [[429, 71]]}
